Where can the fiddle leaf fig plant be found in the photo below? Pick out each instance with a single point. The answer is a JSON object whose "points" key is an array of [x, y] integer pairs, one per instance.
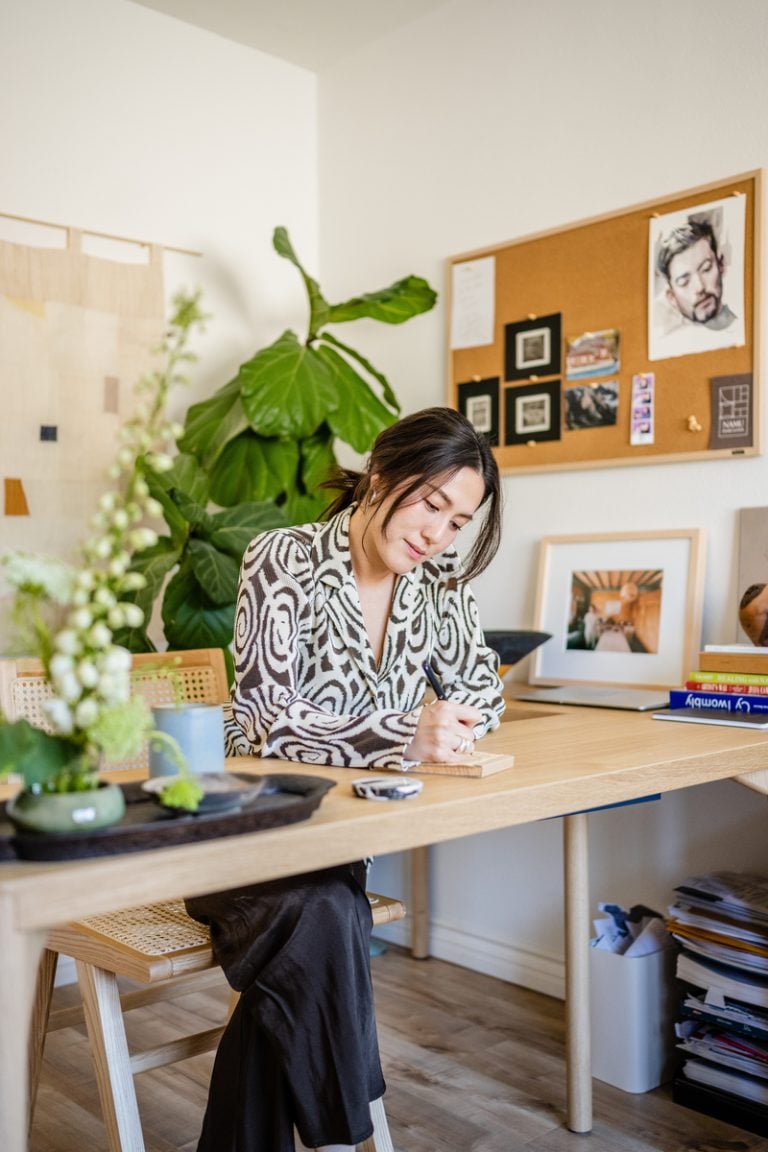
{"points": [[269, 433], [202, 551], [258, 450]]}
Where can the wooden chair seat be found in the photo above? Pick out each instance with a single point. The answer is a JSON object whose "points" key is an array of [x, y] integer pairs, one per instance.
{"points": [[157, 945]]}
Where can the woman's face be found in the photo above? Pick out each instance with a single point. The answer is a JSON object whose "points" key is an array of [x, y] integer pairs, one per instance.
{"points": [[424, 526]]}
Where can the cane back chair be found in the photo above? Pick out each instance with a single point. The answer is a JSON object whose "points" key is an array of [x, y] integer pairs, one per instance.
{"points": [[158, 946]]}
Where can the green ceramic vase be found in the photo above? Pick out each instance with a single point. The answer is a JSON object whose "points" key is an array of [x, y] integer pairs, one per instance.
{"points": [[52, 812]]}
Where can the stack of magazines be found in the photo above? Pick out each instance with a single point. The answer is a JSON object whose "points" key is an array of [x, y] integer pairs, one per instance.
{"points": [[721, 922]]}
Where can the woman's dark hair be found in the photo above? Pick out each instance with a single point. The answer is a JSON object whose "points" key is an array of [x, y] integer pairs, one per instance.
{"points": [[431, 444]]}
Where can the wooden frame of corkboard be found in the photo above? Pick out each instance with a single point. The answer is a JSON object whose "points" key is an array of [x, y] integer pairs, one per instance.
{"points": [[596, 276]]}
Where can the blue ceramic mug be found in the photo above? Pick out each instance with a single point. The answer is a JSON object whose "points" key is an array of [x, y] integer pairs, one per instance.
{"points": [[199, 732]]}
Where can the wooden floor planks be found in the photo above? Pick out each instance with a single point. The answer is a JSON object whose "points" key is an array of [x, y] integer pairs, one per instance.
{"points": [[472, 1065]]}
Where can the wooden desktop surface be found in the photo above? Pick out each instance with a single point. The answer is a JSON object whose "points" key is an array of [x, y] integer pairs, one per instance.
{"points": [[567, 760]]}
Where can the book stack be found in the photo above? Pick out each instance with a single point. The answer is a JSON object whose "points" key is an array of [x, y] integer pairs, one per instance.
{"points": [[728, 686], [721, 923]]}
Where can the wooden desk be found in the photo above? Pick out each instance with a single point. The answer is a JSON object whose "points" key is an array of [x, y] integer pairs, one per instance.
{"points": [[567, 760]]}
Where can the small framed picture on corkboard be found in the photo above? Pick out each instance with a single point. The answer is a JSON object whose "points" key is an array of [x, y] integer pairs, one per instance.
{"points": [[479, 402], [532, 413]]}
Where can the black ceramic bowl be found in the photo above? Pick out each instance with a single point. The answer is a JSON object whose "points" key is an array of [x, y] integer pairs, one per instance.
{"points": [[513, 646]]}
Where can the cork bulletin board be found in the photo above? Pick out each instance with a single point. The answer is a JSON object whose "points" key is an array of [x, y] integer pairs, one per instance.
{"points": [[631, 338]]}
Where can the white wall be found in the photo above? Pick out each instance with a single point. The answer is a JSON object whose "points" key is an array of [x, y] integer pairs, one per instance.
{"points": [[489, 120], [122, 120]]}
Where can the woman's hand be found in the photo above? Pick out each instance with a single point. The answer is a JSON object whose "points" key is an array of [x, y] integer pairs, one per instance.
{"points": [[445, 733]]}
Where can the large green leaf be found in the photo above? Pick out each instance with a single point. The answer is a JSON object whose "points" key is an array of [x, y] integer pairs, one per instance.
{"points": [[240, 472], [389, 396], [282, 458], [253, 468], [393, 305], [154, 564], [236, 527], [287, 390], [360, 415], [318, 305], [195, 513], [317, 460], [212, 423], [303, 508], [216, 572], [178, 525], [187, 476], [31, 752], [134, 639], [190, 619]]}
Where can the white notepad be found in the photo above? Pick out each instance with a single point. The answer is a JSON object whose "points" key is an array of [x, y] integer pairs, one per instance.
{"points": [[715, 716]]}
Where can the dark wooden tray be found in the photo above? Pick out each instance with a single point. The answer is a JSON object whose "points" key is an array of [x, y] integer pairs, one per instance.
{"points": [[284, 799]]}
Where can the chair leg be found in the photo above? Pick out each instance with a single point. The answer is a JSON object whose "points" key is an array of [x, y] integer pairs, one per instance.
{"points": [[41, 1010], [380, 1141], [419, 906], [111, 1059]]}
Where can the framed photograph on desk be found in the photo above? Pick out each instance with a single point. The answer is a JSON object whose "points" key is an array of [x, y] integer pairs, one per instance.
{"points": [[623, 608]]}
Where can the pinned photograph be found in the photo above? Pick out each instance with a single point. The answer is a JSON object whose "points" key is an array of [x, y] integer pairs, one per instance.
{"points": [[696, 279], [641, 411], [731, 411], [592, 405], [592, 354], [532, 347]]}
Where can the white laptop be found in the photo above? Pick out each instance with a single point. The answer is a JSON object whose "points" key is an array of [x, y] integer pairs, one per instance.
{"points": [[593, 696]]}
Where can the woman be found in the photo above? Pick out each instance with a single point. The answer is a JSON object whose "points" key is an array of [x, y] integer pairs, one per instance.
{"points": [[334, 623]]}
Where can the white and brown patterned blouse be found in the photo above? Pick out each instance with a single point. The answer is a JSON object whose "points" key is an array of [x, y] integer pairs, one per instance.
{"points": [[306, 683]]}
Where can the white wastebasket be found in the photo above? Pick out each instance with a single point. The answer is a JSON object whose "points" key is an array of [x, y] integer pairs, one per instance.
{"points": [[634, 1007]]}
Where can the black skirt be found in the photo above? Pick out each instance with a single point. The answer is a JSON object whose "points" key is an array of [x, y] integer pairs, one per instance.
{"points": [[301, 1047]]}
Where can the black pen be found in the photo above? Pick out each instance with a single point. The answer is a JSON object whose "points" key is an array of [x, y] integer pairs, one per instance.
{"points": [[431, 675]]}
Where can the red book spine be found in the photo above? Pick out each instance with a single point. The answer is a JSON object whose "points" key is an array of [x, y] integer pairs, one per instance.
{"points": [[731, 689]]}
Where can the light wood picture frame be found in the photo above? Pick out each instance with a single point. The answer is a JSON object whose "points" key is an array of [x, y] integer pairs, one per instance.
{"points": [[623, 608]]}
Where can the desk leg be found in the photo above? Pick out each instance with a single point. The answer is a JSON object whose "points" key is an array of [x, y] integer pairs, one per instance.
{"points": [[21, 956], [419, 909], [577, 1052]]}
